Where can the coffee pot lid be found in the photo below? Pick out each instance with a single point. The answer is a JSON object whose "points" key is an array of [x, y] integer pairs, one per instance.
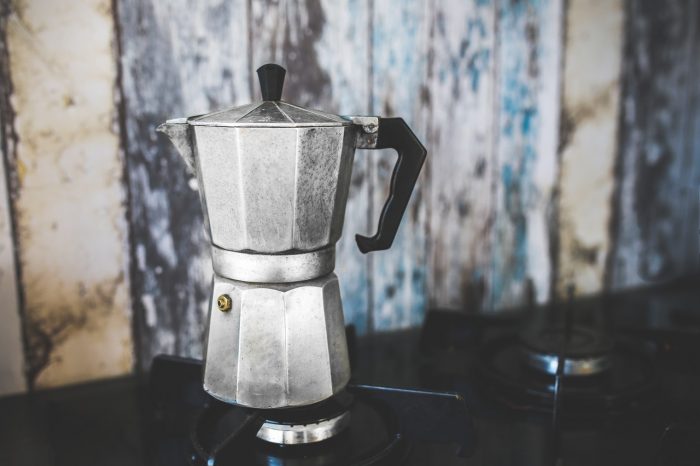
{"points": [[272, 111]]}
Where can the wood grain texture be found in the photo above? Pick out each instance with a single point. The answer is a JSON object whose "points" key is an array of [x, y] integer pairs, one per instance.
{"points": [[400, 44], [656, 228], [528, 72], [461, 166], [177, 59], [12, 379], [324, 47], [589, 127], [69, 196]]}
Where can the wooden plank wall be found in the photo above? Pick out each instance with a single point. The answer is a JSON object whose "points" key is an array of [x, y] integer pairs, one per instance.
{"points": [[563, 143], [67, 191], [657, 227]]}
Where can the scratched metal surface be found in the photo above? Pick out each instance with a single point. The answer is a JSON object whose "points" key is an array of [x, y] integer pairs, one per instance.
{"points": [[563, 148], [323, 45]]}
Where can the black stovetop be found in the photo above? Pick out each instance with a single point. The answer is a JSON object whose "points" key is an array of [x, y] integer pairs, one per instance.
{"points": [[645, 411]]}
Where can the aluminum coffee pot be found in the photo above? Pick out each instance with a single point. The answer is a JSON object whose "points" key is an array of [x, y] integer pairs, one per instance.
{"points": [[273, 181]]}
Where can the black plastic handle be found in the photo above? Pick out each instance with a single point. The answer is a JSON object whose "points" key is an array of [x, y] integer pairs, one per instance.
{"points": [[271, 77], [394, 133]]}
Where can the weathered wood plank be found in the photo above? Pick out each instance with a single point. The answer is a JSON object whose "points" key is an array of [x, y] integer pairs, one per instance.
{"points": [[399, 54], [69, 198], [12, 378], [691, 248], [588, 141], [461, 163], [178, 59], [528, 73], [324, 47], [656, 227]]}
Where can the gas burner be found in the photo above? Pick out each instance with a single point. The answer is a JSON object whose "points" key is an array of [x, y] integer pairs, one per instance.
{"points": [[630, 382], [308, 424], [297, 434], [367, 434], [362, 425], [587, 352]]}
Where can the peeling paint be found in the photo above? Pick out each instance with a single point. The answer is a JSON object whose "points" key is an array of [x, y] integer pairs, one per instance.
{"points": [[461, 139], [529, 53], [400, 48], [177, 59], [69, 204]]}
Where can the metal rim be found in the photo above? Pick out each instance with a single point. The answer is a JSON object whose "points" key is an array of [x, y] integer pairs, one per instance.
{"points": [[572, 366], [273, 268], [296, 434]]}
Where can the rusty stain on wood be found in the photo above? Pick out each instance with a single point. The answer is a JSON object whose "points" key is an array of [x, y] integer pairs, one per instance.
{"points": [[69, 199], [590, 104], [656, 227]]}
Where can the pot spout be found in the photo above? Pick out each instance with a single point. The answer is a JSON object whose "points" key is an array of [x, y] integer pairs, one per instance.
{"points": [[179, 133]]}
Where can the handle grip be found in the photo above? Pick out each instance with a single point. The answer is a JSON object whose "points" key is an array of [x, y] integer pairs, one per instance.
{"points": [[394, 133]]}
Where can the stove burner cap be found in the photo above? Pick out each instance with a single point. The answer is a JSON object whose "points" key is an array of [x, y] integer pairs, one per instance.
{"points": [[587, 352], [296, 434]]}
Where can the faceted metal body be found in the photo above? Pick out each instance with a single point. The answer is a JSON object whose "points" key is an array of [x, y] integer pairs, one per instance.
{"points": [[274, 190], [278, 346], [274, 180]]}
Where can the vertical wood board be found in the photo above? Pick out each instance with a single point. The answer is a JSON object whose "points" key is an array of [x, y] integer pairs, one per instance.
{"points": [[12, 379], [399, 55], [588, 141], [461, 165], [69, 199], [657, 200], [528, 67], [178, 59]]}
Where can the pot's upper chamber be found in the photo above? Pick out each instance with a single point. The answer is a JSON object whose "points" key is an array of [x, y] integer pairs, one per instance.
{"points": [[274, 177]]}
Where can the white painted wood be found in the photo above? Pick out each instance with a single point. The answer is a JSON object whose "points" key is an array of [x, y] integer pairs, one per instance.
{"points": [[528, 58], [72, 233], [461, 163], [12, 378], [591, 97]]}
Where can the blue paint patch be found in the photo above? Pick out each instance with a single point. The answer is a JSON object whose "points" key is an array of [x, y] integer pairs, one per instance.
{"points": [[518, 134]]}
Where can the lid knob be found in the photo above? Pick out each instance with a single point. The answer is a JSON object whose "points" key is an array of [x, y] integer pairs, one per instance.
{"points": [[271, 77]]}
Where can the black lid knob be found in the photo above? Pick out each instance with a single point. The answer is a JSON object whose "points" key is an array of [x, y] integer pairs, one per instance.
{"points": [[271, 77]]}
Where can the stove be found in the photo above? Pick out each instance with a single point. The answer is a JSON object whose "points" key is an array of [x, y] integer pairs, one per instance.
{"points": [[613, 379], [610, 380]]}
